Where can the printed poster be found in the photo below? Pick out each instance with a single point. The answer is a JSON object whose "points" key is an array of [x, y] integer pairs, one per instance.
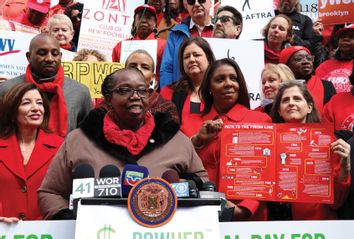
{"points": [[105, 23], [277, 162]]}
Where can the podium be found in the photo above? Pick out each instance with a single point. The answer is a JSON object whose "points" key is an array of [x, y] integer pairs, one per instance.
{"points": [[108, 218]]}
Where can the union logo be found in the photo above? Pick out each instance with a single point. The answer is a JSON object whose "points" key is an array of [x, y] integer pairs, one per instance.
{"points": [[152, 202]]}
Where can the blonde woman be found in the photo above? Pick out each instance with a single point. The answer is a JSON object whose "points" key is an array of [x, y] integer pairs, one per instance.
{"points": [[61, 27]]}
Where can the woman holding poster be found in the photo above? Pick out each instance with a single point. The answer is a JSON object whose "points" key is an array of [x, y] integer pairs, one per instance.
{"points": [[294, 104], [225, 96]]}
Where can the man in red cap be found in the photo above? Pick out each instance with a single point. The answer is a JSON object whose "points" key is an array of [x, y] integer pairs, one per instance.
{"points": [[338, 69], [144, 28], [36, 14], [300, 61]]}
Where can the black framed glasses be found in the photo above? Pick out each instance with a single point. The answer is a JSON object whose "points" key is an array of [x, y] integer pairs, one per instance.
{"points": [[129, 92], [223, 19], [300, 58], [192, 2]]}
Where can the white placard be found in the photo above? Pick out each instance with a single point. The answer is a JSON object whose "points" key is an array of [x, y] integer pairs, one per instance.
{"points": [[103, 221], [38, 230], [249, 55], [129, 46], [256, 14], [13, 48], [287, 230], [105, 23]]}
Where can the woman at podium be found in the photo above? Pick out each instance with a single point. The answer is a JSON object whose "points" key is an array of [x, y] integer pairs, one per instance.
{"points": [[126, 134]]}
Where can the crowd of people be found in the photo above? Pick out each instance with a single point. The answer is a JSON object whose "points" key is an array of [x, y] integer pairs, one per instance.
{"points": [[167, 114]]}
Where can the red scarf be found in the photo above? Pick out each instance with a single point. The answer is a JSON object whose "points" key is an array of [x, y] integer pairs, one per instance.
{"points": [[58, 114], [315, 86], [135, 142], [270, 55], [66, 46]]}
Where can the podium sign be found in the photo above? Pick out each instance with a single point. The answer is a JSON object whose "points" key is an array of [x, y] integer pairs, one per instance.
{"points": [[114, 221]]}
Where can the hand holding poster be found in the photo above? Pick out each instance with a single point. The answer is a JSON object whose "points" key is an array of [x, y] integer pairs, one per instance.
{"points": [[277, 162]]}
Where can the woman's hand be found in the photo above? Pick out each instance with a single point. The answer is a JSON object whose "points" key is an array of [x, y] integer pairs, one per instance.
{"points": [[317, 28], [342, 149], [240, 213], [208, 131], [9, 219]]}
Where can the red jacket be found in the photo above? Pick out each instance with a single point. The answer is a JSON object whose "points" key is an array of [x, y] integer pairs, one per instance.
{"points": [[337, 72], [19, 183], [160, 48], [340, 111], [210, 154], [187, 116]]}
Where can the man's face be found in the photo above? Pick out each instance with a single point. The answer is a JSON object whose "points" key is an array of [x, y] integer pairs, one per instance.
{"points": [[36, 17], [225, 26], [287, 6], [44, 56], [199, 10]]}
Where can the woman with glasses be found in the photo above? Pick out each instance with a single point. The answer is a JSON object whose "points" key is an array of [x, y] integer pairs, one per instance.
{"points": [[74, 12], [278, 34], [126, 134], [300, 61]]}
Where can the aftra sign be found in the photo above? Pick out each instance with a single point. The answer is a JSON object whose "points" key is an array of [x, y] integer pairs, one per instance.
{"points": [[336, 11]]}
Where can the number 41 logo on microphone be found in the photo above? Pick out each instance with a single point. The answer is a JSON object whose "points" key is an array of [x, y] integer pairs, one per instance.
{"points": [[83, 188]]}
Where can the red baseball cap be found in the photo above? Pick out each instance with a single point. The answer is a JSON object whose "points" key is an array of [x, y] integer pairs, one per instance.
{"points": [[42, 6], [286, 53], [145, 7], [344, 29]]}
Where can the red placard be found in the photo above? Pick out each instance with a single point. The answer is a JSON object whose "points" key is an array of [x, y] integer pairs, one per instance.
{"points": [[277, 162]]}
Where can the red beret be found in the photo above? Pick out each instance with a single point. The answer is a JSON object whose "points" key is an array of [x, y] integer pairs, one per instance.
{"points": [[286, 53]]}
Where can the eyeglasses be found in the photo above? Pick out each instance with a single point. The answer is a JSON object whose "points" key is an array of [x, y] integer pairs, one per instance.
{"points": [[300, 58], [223, 19], [192, 2], [129, 92]]}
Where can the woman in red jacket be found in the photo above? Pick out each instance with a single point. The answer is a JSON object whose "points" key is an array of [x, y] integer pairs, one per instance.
{"points": [[26, 149], [294, 104], [225, 96]]}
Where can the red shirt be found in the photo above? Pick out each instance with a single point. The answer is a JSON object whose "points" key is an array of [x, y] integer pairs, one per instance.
{"points": [[337, 72], [340, 111]]}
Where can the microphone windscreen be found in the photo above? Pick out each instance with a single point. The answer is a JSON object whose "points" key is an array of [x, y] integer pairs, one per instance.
{"points": [[171, 176], [131, 174], [109, 171], [209, 186], [83, 171]]}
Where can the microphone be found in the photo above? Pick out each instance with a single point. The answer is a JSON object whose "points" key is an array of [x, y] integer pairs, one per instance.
{"points": [[209, 191], [108, 184], [181, 188], [131, 174], [83, 181], [193, 190]]}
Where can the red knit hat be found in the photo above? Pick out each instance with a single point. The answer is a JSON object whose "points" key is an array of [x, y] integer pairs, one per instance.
{"points": [[344, 29], [286, 53]]}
